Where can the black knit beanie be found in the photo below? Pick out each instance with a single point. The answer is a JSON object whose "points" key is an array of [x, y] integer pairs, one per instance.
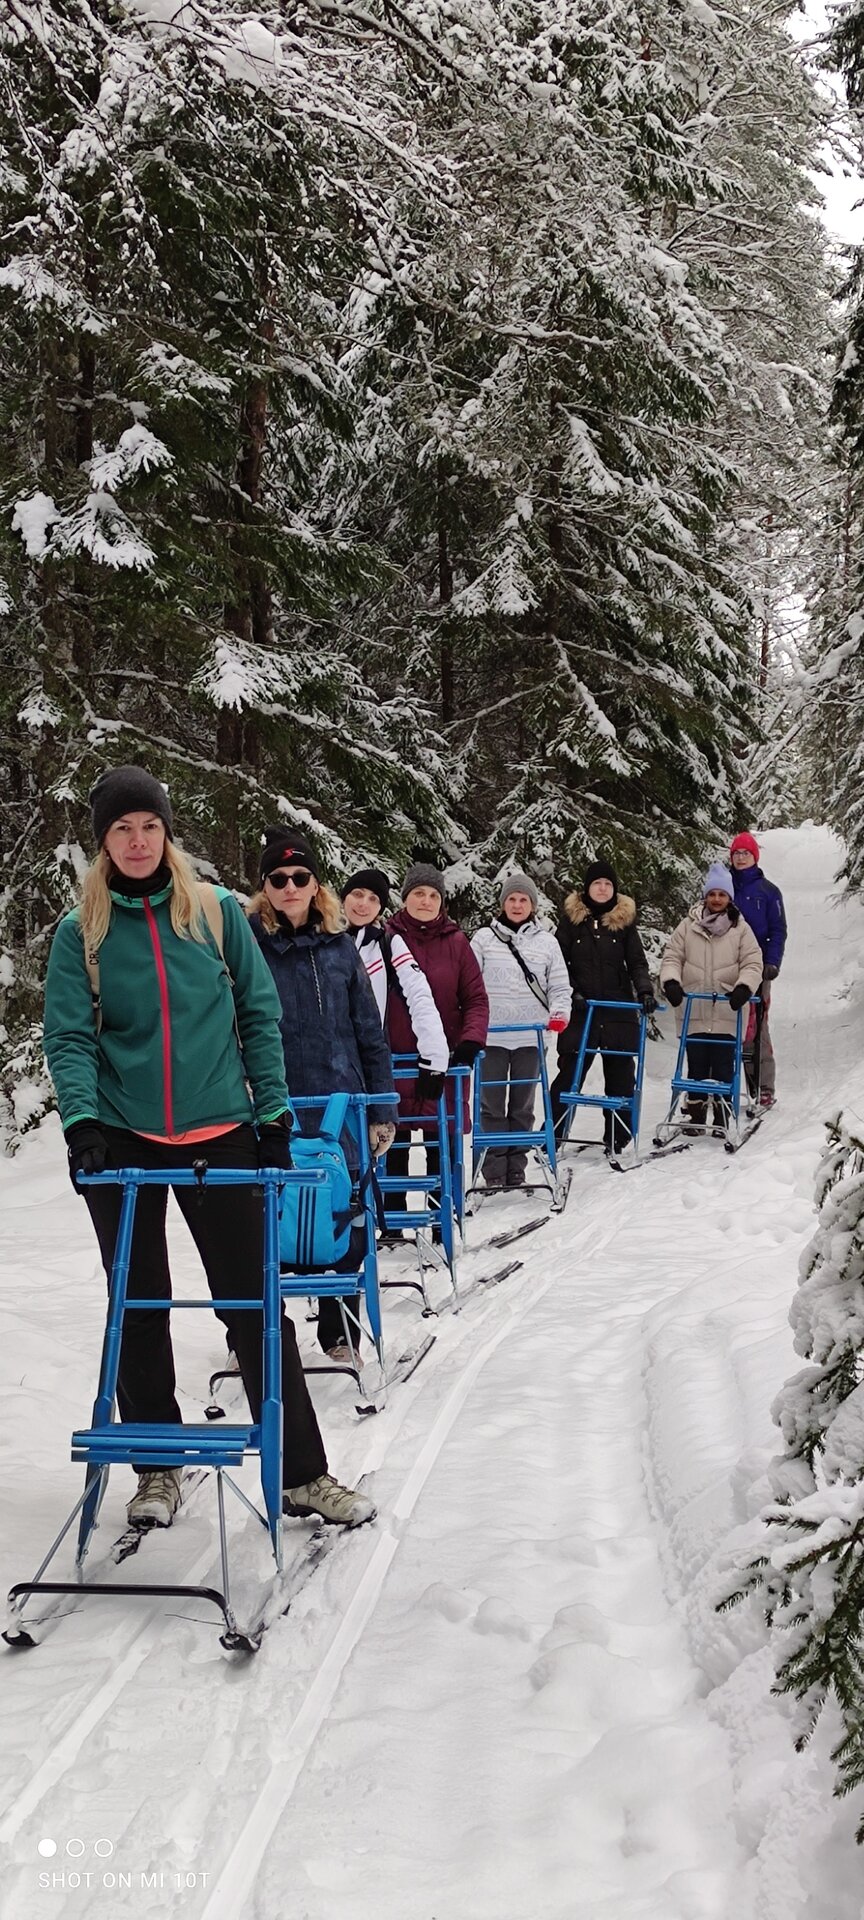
{"points": [[599, 870], [285, 848], [128, 790], [373, 880]]}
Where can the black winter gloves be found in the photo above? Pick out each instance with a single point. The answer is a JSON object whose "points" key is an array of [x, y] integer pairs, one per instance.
{"points": [[274, 1143], [465, 1053], [648, 1004], [739, 996], [430, 1086], [579, 1004], [770, 973], [673, 991], [88, 1149]]}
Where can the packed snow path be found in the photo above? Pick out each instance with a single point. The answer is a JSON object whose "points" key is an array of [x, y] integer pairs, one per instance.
{"points": [[511, 1699]]}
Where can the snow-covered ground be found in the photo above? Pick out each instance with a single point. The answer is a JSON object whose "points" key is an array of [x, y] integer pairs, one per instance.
{"points": [[512, 1698]]}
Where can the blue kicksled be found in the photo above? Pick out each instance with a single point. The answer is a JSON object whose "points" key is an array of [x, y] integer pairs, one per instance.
{"points": [[540, 1141], [629, 1105], [739, 1126], [108, 1442]]}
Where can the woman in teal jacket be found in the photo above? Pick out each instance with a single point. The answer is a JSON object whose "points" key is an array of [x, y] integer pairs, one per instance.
{"points": [[153, 1076]]}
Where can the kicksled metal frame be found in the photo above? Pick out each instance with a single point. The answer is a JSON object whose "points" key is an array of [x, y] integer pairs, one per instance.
{"points": [[442, 1194], [540, 1141], [108, 1442], [729, 1091], [624, 1103]]}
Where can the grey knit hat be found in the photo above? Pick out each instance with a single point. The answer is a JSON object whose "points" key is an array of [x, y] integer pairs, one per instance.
{"points": [[518, 883], [128, 790], [423, 874]]}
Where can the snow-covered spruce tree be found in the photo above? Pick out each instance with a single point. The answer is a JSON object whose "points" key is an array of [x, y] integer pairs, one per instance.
{"points": [[552, 476], [181, 206], [809, 1574]]}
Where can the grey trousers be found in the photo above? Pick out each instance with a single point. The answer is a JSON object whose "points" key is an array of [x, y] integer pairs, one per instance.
{"points": [[767, 1062], [508, 1085]]}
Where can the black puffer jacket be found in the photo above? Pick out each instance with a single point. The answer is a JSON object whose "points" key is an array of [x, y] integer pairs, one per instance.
{"points": [[606, 961]]}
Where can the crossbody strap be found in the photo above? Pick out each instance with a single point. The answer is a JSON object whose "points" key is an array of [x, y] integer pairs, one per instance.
{"points": [[531, 978]]}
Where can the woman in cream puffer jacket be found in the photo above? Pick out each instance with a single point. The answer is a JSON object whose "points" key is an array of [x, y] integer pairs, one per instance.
{"points": [[712, 951]]}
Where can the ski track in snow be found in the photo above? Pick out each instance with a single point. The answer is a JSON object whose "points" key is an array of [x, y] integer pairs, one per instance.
{"points": [[512, 1698]]}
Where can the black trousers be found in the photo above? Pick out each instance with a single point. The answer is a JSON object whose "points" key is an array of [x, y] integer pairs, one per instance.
{"points": [[709, 1060], [227, 1226], [619, 1077]]}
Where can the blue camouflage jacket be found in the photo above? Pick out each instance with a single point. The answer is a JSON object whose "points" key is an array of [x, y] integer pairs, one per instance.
{"points": [[762, 906]]}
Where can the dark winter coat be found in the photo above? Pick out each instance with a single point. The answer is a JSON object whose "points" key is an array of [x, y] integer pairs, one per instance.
{"points": [[606, 961], [166, 1058], [444, 953], [330, 1025], [762, 906]]}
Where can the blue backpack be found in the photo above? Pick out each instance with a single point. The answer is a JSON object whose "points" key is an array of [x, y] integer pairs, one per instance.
{"points": [[315, 1222]]}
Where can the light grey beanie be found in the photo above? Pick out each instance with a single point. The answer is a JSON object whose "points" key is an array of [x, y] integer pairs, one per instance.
{"points": [[423, 874], [518, 883]]}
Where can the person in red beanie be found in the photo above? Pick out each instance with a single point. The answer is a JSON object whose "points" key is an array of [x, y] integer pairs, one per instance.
{"points": [[761, 904]]}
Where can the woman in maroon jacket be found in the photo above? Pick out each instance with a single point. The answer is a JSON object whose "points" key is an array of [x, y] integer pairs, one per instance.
{"points": [[444, 952]]}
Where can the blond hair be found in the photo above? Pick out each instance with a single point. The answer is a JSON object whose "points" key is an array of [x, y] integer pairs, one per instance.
{"points": [[97, 905], [325, 903]]}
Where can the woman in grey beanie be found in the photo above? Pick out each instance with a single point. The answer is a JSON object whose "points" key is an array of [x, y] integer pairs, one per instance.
{"points": [[526, 978]]}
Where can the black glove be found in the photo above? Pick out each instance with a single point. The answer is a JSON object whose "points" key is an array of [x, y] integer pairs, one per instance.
{"points": [[465, 1054], [739, 996], [88, 1149], [673, 992], [579, 1004], [770, 973], [648, 1004], [430, 1085], [274, 1143]]}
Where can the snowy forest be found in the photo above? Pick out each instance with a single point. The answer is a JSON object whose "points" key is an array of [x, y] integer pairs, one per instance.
{"points": [[435, 424]]}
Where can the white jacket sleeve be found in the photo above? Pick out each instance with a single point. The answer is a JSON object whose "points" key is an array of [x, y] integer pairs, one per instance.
{"points": [[559, 991], [432, 1047]]}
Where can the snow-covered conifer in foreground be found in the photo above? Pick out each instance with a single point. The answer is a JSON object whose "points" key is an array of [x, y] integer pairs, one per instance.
{"points": [[808, 1572]]}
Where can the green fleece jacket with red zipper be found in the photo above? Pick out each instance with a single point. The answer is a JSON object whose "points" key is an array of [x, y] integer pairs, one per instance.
{"points": [[166, 1059]]}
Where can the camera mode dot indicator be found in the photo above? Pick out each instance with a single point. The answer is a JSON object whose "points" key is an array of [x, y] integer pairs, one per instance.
{"points": [[47, 1848]]}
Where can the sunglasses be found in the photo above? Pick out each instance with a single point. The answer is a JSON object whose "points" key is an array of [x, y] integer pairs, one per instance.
{"points": [[299, 879]]}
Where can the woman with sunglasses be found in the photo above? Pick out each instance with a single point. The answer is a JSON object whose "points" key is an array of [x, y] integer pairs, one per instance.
{"points": [[331, 1031]]}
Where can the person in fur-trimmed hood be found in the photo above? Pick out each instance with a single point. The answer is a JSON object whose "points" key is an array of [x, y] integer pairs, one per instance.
{"points": [[713, 950], [605, 959]]}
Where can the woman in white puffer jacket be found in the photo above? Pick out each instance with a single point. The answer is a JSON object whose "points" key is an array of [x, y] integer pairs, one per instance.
{"points": [[512, 953]]}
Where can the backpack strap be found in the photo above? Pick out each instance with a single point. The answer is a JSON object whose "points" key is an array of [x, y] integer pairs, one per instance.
{"points": [[91, 962], [386, 945], [333, 1118], [211, 907]]}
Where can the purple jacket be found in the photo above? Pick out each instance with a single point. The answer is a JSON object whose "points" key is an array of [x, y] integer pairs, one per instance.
{"points": [[762, 906], [444, 952]]}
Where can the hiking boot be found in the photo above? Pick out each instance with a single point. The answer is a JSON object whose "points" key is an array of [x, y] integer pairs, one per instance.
{"points": [[695, 1112], [324, 1499], [767, 1099], [344, 1356], [157, 1499], [388, 1242], [514, 1181]]}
